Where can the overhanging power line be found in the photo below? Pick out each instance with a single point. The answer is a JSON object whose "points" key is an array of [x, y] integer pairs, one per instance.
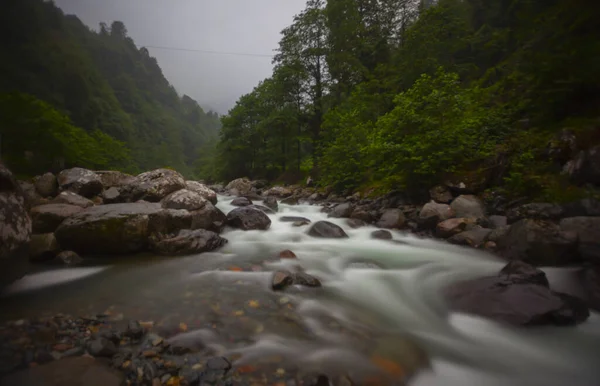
{"points": [[211, 52]]}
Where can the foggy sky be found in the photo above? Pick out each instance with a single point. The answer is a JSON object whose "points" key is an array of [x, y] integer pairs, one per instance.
{"points": [[215, 81]]}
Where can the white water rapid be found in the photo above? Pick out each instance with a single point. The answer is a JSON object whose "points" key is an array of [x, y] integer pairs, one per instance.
{"points": [[393, 299]]}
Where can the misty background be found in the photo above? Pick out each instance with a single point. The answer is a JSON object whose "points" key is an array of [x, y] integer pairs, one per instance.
{"points": [[216, 81]]}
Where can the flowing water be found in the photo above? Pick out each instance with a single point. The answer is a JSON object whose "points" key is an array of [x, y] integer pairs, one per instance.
{"points": [[380, 299]]}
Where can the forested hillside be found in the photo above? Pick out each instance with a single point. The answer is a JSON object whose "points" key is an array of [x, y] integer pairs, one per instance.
{"points": [[73, 96], [403, 94]]}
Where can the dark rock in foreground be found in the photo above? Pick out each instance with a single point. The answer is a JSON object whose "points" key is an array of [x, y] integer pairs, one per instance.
{"points": [[15, 226], [241, 201], [108, 229], [188, 242], [210, 218], [271, 203], [46, 218], [71, 198], [519, 295], [293, 219], [326, 229], [392, 219], [381, 235], [248, 218], [539, 242]]}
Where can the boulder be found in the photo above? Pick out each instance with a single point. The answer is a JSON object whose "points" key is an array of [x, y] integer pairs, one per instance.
{"points": [[111, 195], [169, 221], [293, 219], [71, 198], [30, 194], [588, 233], [241, 201], [241, 186], [540, 211], [432, 213], [292, 200], [281, 279], [518, 295], [271, 203], [43, 247], [286, 254], [539, 242], [202, 190], [210, 218], [305, 280], [248, 218], [188, 242], [184, 199], [341, 210], [84, 182], [497, 234], [326, 229], [259, 184], [113, 178], [153, 186], [441, 194], [108, 229], [468, 206], [472, 238], [46, 218], [363, 214], [392, 219], [498, 221], [355, 223], [278, 191], [262, 208], [46, 185], [585, 167], [381, 234], [69, 258], [15, 226], [451, 227]]}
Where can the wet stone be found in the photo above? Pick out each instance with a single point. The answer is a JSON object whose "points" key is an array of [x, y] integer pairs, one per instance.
{"points": [[306, 280], [134, 330], [287, 254], [381, 235], [101, 347], [281, 279], [294, 219]]}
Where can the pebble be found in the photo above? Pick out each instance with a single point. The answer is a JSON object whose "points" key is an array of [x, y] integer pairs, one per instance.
{"points": [[281, 279]]}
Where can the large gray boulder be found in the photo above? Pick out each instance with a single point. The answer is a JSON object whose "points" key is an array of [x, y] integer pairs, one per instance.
{"points": [[328, 230], [433, 213], [343, 210], [472, 238], [392, 219], [153, 186], [113, 178], [202, 190], [15, 229], [518, 295], [468, 206], [46, 218], [239, 187], [46, 185], [588, 233], [271, 203], [169, 221], [184, 199], [209, 217], [188, 242], [84, 182], [108, 229], [71, 198], [241, 201], [539, 242], [451, 227], [441, 194], [248, 218], [278, 191]]}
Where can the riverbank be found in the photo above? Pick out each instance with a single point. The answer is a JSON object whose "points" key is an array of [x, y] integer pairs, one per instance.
{"points": [[378, 285]]}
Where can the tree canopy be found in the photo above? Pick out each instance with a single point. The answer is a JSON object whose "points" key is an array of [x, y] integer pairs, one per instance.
{"points": [[104, 100], [403, 93]]}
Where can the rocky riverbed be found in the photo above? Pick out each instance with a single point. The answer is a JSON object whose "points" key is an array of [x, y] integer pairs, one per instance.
{"points": [[292, 285]]}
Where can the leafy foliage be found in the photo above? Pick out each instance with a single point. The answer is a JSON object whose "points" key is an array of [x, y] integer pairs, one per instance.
{"points": [[403, 93]]}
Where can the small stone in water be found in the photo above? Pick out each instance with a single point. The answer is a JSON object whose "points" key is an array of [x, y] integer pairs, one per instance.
{"points": [[287, 254], [305, 279], [281, 279], [134, 330], [102, 347], [218, 363]]}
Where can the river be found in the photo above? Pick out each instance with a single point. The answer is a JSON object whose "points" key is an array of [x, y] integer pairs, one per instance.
{"points": [[379, 298]]}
